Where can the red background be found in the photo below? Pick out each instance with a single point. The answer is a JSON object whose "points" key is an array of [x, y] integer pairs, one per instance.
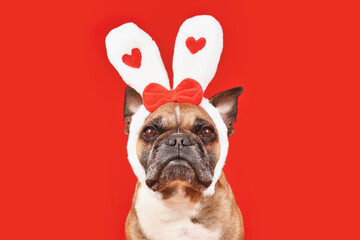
{"points": [[294, 160]]}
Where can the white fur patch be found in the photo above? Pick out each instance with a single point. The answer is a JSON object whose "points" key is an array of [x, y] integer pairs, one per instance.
{"points": [[177, 111], [170, 219]]}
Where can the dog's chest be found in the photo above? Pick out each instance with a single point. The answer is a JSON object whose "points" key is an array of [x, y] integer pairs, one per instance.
{"points": [[170, 219]]}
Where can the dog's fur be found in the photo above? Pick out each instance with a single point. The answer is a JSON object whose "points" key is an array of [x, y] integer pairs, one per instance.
{"points": [[179, 162]]}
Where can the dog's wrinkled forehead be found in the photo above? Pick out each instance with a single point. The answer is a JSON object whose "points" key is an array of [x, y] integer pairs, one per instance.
{"points": [[182, 116]]}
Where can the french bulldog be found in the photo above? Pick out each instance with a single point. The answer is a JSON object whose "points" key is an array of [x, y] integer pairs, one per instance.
{"points": [[178, 147]]}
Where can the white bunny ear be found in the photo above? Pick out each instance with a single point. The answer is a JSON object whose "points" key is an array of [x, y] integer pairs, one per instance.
{"points": [[198, 47], [136, 57]]}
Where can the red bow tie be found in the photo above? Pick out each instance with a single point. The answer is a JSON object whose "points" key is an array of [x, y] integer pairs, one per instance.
{"points": [[188, 91]]}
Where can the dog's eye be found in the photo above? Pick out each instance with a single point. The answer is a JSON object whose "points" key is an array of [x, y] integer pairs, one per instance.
{"points": [[206, 132], [149, 132]]}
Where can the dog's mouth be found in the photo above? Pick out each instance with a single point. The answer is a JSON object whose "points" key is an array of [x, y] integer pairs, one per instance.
{"points": [[180, 162], [178, 169]]}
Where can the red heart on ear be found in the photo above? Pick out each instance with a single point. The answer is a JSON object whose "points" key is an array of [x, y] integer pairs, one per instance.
{"points": [[195, 45], [133, 60]]}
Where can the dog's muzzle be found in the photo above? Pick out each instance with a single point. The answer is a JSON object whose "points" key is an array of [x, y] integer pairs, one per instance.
{"points": [[179, 149]]}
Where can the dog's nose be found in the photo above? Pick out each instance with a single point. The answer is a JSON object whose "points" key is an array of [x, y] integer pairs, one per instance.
{"points": [[179, 139]]}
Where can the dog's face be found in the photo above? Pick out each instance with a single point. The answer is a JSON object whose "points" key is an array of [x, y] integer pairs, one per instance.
{"points": [[178, 145], [178, 142]]}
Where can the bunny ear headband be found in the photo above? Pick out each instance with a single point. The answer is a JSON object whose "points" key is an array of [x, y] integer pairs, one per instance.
{"points": [[136, 57]]}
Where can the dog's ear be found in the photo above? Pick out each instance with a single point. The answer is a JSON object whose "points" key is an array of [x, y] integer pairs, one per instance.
{"points": [[226, 103], [132, 103]]}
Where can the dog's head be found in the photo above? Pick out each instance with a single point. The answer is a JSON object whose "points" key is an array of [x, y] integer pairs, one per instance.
{"points": [[178, 144], [176, 136]]}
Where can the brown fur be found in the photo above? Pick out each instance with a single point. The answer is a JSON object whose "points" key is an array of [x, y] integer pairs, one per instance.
{"points": [[218, 210], [166, 116], [133, 230], [189, 113]]}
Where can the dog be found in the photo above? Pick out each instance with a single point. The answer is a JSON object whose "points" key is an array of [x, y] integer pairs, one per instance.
{"points": [[178, 148]]}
